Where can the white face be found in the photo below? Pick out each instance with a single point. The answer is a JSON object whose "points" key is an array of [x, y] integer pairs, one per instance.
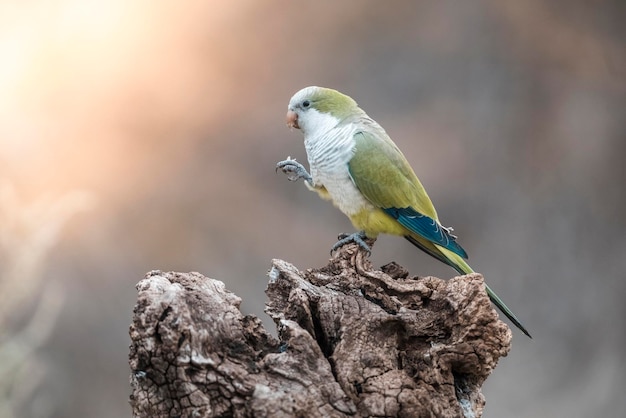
{"points": [[315, 123], [311, 121], [301, 95]]}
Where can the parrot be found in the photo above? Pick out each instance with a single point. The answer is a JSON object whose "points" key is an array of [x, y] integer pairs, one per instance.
{"points": [[356, 165]]}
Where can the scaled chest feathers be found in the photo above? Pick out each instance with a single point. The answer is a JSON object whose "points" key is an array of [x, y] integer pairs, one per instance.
{"points": [[329, 155]]}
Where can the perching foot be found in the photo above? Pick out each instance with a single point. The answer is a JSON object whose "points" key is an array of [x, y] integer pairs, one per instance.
{"points": [[294, 170], [357, 237]]}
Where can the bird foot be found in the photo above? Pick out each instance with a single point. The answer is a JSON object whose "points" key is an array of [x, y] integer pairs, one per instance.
{"points": [[357, 237], [294, 170]]}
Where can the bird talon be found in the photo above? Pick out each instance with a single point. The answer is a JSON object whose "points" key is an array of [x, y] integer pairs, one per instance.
{"points": [[293, 169], [357, 238]]}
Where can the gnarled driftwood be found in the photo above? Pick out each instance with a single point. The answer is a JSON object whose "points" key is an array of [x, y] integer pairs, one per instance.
{"points": [[353, 341]]}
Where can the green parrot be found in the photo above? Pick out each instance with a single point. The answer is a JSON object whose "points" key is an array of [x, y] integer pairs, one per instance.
{"points": [[356, 165]]}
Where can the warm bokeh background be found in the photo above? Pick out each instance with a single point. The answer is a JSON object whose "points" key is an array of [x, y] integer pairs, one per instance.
{"points": [[143, 135]]}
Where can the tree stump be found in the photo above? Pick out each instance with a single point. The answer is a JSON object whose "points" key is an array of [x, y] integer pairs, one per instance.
{"points": [[352, 341]]}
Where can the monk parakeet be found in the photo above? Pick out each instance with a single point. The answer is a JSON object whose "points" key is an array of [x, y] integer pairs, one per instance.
{"points": [[356, 165]]}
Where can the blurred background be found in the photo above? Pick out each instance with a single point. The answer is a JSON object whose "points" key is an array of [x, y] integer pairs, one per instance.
{"points": [[144, 135]]}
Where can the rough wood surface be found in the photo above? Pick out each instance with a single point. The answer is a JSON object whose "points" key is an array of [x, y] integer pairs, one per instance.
{"points": [[353, 341]]}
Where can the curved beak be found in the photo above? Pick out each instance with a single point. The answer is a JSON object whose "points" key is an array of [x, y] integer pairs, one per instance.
{"points": [[292, 119]]}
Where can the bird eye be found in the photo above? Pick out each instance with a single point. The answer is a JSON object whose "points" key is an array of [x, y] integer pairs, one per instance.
{"points": [[306, 104]]}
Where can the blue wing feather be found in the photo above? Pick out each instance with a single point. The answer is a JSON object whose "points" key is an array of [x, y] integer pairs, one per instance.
{"points": [[426, 227]]}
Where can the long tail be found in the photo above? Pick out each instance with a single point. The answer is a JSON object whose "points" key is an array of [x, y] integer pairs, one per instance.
{"points": [[460, 265], [505, 310]]}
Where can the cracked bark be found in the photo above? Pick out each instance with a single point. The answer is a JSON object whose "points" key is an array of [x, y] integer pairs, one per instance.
{"points": [[352, 341]]}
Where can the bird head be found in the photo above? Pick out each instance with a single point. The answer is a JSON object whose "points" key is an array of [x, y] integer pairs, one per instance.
{"points": [[319, 108]]}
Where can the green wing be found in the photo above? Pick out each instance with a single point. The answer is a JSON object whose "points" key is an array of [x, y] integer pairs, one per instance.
{"points": [[380, 171]]}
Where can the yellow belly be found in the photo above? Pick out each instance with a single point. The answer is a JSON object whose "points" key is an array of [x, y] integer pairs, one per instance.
{"points": [[374, 221]]}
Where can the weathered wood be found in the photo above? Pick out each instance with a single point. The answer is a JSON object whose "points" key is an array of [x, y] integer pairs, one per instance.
{"points": [[353, 341]]}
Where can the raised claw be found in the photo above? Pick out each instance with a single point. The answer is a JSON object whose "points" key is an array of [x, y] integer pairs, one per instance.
{"points": [[280, 164], [294, 170]]}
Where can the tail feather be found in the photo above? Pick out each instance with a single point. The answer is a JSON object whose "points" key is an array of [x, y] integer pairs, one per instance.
{"points": [[505, 310], [460, 265]]}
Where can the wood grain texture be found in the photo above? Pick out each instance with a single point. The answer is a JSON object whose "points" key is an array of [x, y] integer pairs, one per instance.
{"points": [[352, 341]]}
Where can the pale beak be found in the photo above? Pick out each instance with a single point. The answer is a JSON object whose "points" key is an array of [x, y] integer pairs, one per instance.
{"points": [[292, 119]]}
